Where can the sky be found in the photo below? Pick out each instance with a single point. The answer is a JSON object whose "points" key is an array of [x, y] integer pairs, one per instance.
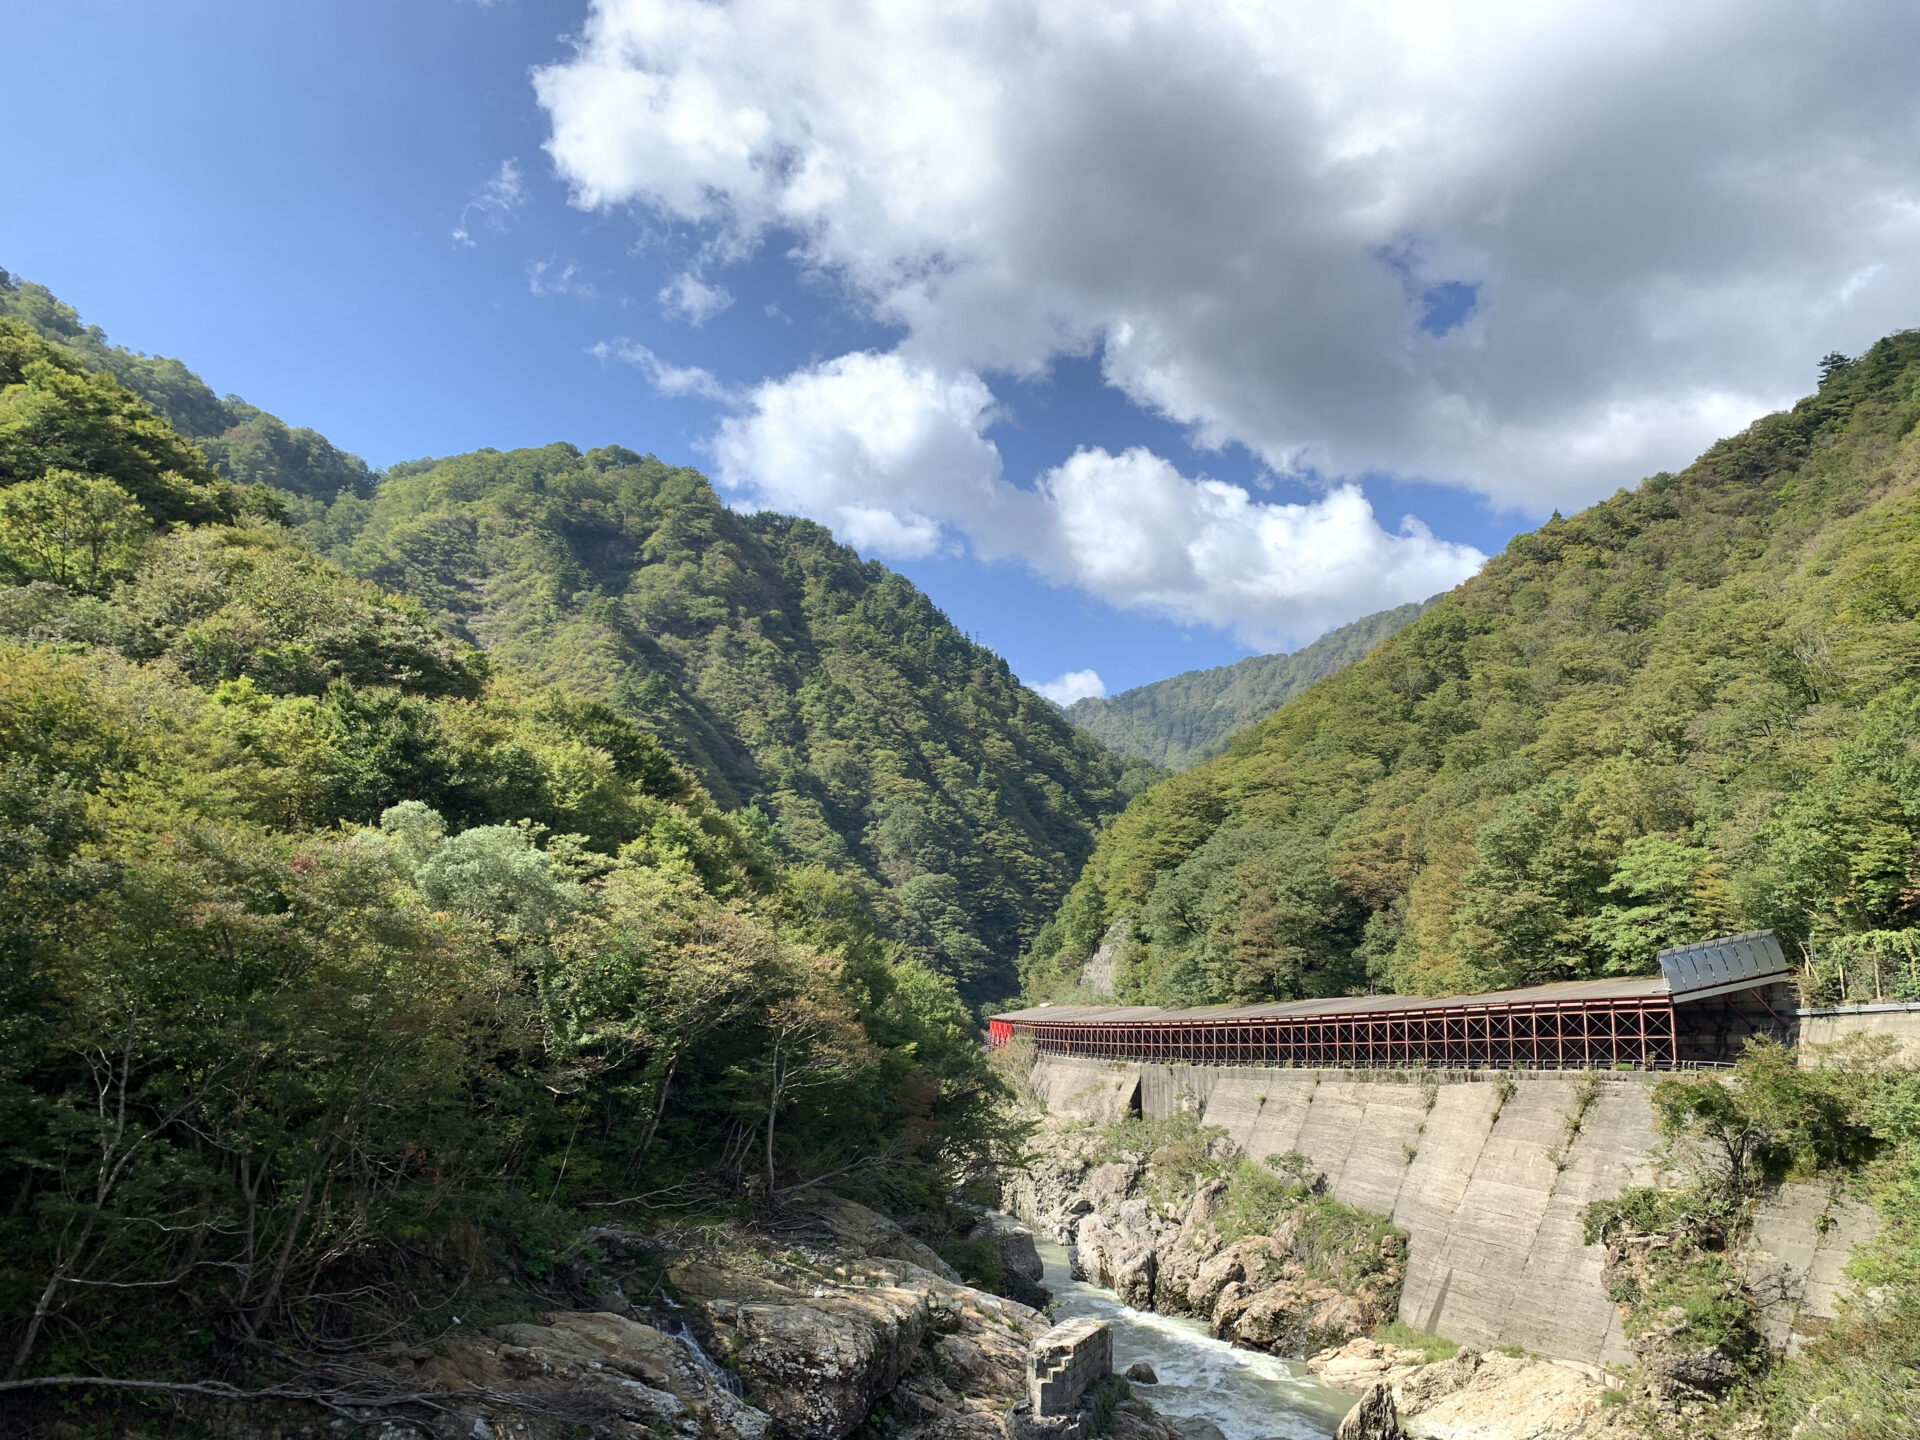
{"points": [[1142, 336]]}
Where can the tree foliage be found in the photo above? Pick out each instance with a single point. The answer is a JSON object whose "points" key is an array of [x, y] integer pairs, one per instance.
{"points": [[790, 676], [344, 974], [1688, 710]]}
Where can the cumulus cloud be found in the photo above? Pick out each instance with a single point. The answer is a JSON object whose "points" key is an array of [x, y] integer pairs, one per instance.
{"points": [[1072, 686], [1534, 250], [894, 454], [688, 297], [1658, 215], [667, 379], [889, 452], [490, 205]]}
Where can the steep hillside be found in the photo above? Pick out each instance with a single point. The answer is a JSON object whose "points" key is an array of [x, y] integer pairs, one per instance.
{"points": [[240, 441], [825, 692], [1177, 722], [350, 982], [1691, 709], [822, 694]]}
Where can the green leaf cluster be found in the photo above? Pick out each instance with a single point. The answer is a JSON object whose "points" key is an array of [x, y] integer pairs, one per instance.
{"points": [[345, 973], [1691, 709]]}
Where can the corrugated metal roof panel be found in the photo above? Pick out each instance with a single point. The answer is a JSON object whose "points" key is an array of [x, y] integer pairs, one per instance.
{"points": [[1730, 962]]}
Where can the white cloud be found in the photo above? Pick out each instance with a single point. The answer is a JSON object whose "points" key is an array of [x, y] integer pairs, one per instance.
{"points": [[894, 454], [687, 297], [1246, 210], [1072, 686], [887, 451], [667, 379], [491, 204]]}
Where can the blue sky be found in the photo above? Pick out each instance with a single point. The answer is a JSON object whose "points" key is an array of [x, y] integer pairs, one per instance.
{"points": [[1125, 389]]}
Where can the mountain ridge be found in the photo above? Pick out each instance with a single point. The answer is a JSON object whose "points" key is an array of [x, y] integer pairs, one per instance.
{"points": [[1183, 719], [1690, 709]]}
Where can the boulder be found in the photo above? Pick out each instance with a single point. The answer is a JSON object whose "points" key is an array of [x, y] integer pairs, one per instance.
{"points": [[626, 1377], [1503, 1397], [854, 1227], [1141, 1373], [1374, 1418], [1020, 1263], [817, 1366]]}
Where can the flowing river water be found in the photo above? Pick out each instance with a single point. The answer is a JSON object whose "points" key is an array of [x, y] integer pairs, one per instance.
{"points": [[1207, 1387]]}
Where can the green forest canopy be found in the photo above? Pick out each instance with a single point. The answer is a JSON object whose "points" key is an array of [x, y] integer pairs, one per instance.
{"points": [[343, 967], [1688, 710], [821, 698]]}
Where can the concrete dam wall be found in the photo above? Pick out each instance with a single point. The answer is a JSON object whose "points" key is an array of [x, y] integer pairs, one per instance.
{"points": [[1489, 1175]]}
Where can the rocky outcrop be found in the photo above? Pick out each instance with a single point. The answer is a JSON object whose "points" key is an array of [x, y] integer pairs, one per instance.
{"points": [[839, 1319], [622, 1376], [1170, 1255], [1468, 1397], [1021, 1266], [1374, 1418], [1682, 1358]]}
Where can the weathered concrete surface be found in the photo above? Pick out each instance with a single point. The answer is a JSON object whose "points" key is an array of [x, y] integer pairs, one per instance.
{"points": [[1085, 1089], [1795, 1258], [1899, 1022], [1489, 1174]]}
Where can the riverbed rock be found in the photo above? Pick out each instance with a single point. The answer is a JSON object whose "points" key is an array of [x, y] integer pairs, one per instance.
{"points": [[1168, 1253], [1360, 1364], [1141, 1373], [867, 1232], [621, 1376], [1374, 1418], [1499, 1397], [1020, 1264]]}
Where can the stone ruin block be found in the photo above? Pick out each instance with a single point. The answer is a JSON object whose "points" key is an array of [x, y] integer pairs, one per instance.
{"points": [[1065, 1363]]}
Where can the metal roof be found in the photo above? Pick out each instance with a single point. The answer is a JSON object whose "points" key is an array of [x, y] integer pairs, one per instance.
{"points": [[1687, 972], [1714, 967], [1569, 992]]}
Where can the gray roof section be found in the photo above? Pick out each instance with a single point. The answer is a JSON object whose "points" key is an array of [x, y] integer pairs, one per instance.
{"points": [[1734, 962], [1687, 972], [1570, 992]]}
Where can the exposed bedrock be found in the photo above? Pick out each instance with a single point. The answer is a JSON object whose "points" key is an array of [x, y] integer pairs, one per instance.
{"points": [[1487, 1174], [1172, 1253]]}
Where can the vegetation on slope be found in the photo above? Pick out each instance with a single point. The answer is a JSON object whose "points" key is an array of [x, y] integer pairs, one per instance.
{"points": [[1177, 722], [821, 696], [1689, 710], [345, 975], [867, 735], [1692, 1321], [238, 440]]}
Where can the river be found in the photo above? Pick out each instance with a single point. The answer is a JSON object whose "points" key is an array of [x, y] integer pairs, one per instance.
{"points": [[1241, 1394]]}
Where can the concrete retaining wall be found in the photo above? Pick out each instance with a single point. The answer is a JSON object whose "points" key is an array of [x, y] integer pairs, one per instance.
{"points": [[1489, 1175], [1897, 1020]]}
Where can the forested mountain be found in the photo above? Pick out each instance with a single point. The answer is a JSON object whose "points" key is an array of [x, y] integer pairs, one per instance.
{"points": [[1177, 722], [820, 695], [347, 974], [1691, 709], [240, 441]]}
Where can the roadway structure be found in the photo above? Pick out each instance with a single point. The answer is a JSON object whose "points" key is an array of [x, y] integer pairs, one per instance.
{"points": [[1707, 1000]]}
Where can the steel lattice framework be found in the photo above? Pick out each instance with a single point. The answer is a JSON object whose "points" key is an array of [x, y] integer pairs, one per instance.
{"points": [[1565, 1034]]}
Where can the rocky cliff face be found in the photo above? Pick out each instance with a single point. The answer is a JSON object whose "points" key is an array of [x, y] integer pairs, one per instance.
{"points": [[1175, 1253]]}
